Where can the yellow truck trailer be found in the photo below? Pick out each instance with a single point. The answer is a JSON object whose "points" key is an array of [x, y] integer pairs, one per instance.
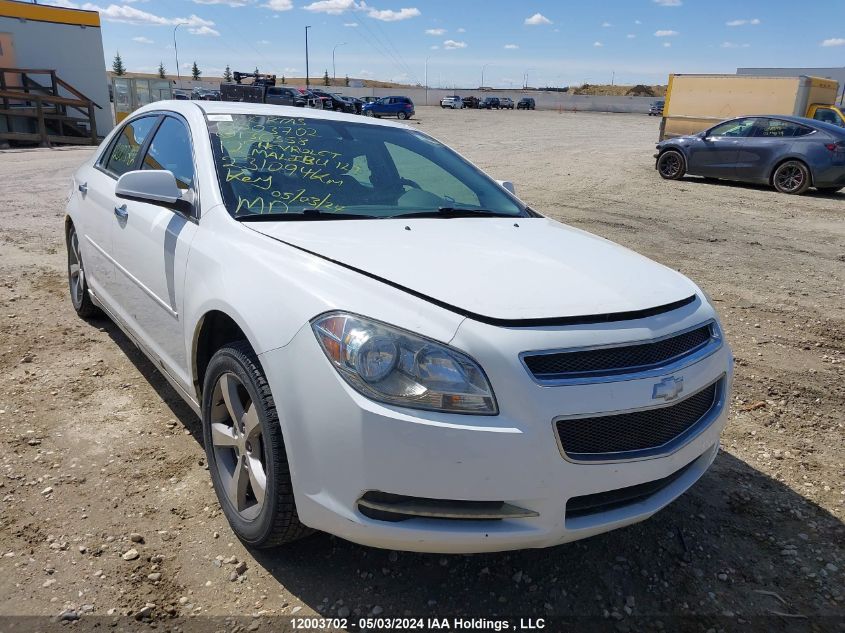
{"points": [[697, 102]]}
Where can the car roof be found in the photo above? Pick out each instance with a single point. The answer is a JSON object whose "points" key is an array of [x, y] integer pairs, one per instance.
{"points": [[261, 109]]}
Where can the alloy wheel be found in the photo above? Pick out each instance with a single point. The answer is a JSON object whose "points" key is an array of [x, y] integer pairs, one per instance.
{"points": [[790, 178], [670, 165], [239, 451], [76, 273]]}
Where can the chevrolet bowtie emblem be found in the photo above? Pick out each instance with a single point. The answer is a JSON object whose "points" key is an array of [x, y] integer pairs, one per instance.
{"points": [[669, 388]]}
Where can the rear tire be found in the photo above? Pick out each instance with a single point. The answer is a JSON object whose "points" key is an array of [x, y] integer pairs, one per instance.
{"points": [[402, 116], [80, 298], [671, 165], [245, 450], [791, 177]]}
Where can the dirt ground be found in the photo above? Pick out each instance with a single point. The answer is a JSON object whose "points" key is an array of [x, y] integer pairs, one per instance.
{"points": [[97, 450]]}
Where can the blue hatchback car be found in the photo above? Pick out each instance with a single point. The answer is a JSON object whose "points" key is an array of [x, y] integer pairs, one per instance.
{"points": [[400, 107], [789, 153]]}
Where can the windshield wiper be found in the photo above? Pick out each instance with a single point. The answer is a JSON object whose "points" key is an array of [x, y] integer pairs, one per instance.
{"points": [[456, 212], [305, 214]]}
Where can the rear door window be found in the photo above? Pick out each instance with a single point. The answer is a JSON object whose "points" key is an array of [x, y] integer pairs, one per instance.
{"points": [[130, 140], [779, 128]]}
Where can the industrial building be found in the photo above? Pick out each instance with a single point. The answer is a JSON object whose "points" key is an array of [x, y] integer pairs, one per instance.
{"points": [[53, 85], [838, 74]]}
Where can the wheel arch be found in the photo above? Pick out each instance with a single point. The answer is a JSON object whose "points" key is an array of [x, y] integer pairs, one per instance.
{"points": [[786, 159], [214, 329]]}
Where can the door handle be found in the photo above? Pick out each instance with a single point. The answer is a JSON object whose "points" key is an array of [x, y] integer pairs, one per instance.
{"points": [[83, 188], [121, 212]]}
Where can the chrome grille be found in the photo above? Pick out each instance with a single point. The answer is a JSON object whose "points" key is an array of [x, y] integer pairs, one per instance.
{"points": [[618, 360], [639, 434]]}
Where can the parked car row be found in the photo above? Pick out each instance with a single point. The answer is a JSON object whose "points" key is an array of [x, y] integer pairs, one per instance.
{"points": [[488, 103]]}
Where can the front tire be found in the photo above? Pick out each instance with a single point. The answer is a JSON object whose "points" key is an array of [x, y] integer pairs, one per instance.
{"points": [[791, 177], [671, 165], [77, 282], [369, 113], [245, 450]]}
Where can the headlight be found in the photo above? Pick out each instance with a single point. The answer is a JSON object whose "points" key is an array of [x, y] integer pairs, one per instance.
{"points": [[397, 367]]}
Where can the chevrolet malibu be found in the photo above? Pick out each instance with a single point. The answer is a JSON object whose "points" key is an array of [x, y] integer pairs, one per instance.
{"points": [[384, 343]]}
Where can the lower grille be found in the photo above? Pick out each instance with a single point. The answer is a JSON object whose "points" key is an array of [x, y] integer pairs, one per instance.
{"points": [[587, 505], [638, 433], [385, 506]]}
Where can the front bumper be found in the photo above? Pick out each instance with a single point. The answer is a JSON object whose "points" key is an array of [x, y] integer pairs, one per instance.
{"points": [[342, 445]]}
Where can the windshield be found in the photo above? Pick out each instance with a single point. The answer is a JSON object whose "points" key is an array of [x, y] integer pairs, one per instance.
{"points": [[287, 165]]}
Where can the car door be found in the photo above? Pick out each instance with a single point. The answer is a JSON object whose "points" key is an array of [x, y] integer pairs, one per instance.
{"points": [[770, 140], [715, 152], [97, 203], [279, 96], [151, 245]]}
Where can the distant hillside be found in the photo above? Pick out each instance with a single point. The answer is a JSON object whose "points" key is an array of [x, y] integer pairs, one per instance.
{"points": [[606, 90]]}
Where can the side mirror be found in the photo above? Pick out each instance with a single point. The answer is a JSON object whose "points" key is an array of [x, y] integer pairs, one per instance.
{"points": [[507, 184], [154, 186]]}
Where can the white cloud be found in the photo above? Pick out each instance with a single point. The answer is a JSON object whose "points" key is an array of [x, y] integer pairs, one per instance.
{"points": [[435, 47], [230, 3], [264, 42], [290, 69], [665, 33], [204, 30], [389, 15], [451, 45], [598, 44], [667, 44], [637, 22], [606, 25], [142, 40], [733, 45], [131, 15], [754, 22], [834, 41], [630, 36], [278, 5], [462, 30], [511, 47], [350, 25], [435, 31], [537, 19], [365, 73], [668, 3], [332, 7]]}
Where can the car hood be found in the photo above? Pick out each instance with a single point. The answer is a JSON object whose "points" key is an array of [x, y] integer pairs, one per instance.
{"points": [[496, 268]]}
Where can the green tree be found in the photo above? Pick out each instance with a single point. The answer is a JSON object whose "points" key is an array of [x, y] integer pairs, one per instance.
{"points": [[326, 78], [346, 81], [117, 65], [195, 71], [162, 74], [227, 74], [283, 80]]}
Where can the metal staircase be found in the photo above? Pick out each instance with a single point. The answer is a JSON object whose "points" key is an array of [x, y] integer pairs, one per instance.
{"points": [[46, 112]]}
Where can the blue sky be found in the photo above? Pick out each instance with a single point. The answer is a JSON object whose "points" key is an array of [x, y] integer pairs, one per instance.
{"points": [[554, 42]]}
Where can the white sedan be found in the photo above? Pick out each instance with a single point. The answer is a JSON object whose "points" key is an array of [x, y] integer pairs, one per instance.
{"points": [[384, 343], [455, 103]]}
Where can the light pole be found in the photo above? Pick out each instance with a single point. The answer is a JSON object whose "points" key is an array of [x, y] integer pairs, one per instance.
{"points": [[525, 77], [176, 51], [307, 73], [426, 80], [334, 71], [483, 68]]}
